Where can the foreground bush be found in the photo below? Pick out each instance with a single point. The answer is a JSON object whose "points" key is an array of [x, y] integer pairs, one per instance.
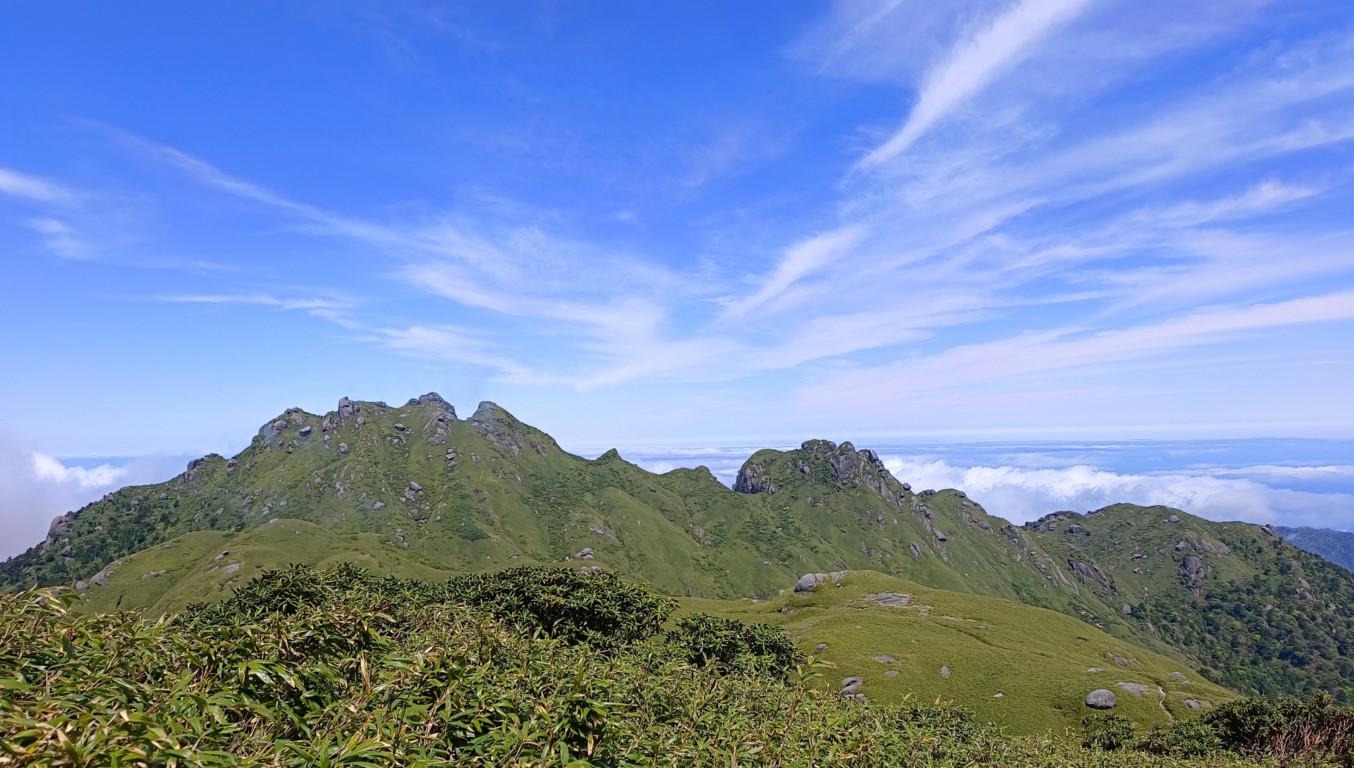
{"points": [[1107, 731], [344, 668], [733, 645], [1284, 729]]}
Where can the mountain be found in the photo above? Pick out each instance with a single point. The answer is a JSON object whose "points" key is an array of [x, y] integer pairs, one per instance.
{"points": [[415, 490], [1335, 546]]}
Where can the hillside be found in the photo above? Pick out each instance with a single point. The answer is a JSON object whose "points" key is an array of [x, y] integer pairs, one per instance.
{"points": [[415, 490], [531, 667], [1028, 668], [1335, 546]]}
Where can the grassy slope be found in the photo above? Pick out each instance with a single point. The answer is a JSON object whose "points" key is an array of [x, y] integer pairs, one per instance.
{"points": [[492, 491], [1039, 660], [195, 567]]}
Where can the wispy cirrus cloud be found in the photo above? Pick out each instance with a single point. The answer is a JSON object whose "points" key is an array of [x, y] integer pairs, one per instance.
{"points": [[36, 188], [972, 65], [1069, 348], [1028, 235], [260, 299]]}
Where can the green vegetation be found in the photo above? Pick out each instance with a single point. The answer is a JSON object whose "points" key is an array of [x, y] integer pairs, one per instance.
{"points": [[417, 493], [344, 667], [1335, 546], [1286, 730], [1026, 668]]}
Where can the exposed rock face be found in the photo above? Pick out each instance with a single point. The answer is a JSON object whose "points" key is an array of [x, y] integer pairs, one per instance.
{"points": [[850, 686], [585, 553], [1101, 698], [1137, 689], [501, 427], [770, 471], [753, 478], [810, 581], [346, 410], [1052, 522], [914, 550], [1193, 568], [435, 400], [1088, 573], [61, 526], [945, 673]]}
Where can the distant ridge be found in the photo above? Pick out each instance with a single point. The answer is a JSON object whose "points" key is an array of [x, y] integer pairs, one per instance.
{"points": [[1335, 546]]}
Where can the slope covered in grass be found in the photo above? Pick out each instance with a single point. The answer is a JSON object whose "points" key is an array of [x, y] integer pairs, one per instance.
{"points": [[533, 668], [1026, 668], [416, 490]]}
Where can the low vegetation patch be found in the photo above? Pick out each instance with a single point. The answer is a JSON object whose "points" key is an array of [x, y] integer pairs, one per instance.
{"points": [[528, 667]]}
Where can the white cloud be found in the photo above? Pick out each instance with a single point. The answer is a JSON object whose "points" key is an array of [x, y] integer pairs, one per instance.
{"points": [[935, 247], [1066, 348], [36, 487], [34, 188], [332, 308], [972, 65], [60, 238], [453, 345], [800, 260], [1021, 494], [1284, 473]]}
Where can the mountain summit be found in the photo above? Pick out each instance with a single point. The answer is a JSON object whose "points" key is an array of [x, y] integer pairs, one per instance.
{"points": [[415, 490]]}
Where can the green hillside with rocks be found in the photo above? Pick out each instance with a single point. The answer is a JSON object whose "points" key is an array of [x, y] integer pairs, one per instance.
{"points": [[536, 666], [1031, 669], [415, 491]]}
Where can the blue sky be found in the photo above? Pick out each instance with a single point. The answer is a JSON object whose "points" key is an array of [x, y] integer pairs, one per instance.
{"points": [[643, 223]]}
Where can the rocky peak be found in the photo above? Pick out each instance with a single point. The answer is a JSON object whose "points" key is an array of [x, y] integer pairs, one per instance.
{"points": [[1052, 522], [824, 462], [496, 424], [434, 400], [347, 409]]}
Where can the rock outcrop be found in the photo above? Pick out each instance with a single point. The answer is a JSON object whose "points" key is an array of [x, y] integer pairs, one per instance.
{"points": [[1101, 698]]}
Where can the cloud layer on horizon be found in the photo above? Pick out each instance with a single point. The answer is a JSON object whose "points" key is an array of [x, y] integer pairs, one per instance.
{"points": [[1023, 493]]}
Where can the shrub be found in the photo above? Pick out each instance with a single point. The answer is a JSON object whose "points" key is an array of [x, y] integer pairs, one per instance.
{"points": [[598, 608], [1183, 738], [1107, 731], [1286, 728], [706, 640]]}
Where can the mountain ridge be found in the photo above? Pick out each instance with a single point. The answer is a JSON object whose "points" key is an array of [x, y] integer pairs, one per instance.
{"points": [[416, 486]]}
